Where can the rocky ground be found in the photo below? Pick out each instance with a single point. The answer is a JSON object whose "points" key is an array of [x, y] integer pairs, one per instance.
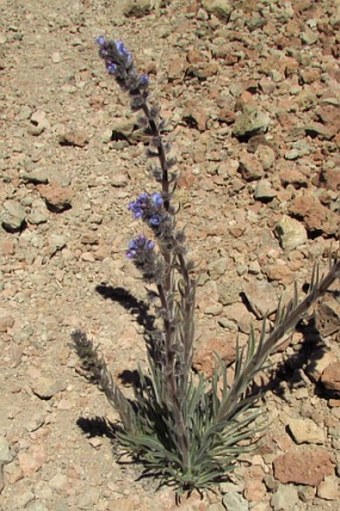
{"points": [[250, 92]]}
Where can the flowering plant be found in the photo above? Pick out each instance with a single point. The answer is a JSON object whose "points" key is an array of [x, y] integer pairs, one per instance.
{"points": [[184, 429]]}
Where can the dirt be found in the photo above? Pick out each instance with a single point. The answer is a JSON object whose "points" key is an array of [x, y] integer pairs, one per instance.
{"points": [[250, 93]]}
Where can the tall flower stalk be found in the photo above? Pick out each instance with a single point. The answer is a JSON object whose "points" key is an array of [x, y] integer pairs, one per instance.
{"points": [[185, 430]]}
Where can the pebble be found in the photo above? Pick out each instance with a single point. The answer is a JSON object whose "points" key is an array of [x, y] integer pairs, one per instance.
{"points": [[285, 498], [261, 297], [264, 191], [250, 123], [329, 489], [13, 216], [306, 431], [290, 232], [331, 376], [222, 9], [235, 502], [6, 454], [46, 387], [57, 198]]}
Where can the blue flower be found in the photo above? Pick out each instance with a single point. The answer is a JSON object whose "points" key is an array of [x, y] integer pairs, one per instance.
{"points": [[139, 246], [157, 199], [154, 220]]}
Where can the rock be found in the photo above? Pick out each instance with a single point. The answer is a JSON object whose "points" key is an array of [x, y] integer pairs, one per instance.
{"points": [[40, 122], [329, 489], [219, 8], [264, 191], [316, 217], [254, 490], [57, 198], [32, 461], [235, 502], [299, 148], [249, 167], [37, 176], [290, 232], [261, 297], [76, 138], [6, 320], [302, 466], [329, 178], [331, 376], [306, 431], [266, 155], [285, 498], [321, 360], [289, 175], [13, 217], [6, 455], [46, 387], [250, 123], [119, 179], [204, 359], [316, 129], [217, 268], [137, 8]]}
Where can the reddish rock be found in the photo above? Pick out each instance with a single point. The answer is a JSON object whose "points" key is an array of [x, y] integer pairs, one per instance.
{"points": [[292, 176], [302, 466], [331, 376], [57, 197], [31, 462], [205, 356], [330, 178], [315, 216], [254, 490], [250, 167], [279, 271]]}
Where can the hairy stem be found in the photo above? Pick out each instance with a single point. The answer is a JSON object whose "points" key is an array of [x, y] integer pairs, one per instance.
{"points": [[265, 348]]}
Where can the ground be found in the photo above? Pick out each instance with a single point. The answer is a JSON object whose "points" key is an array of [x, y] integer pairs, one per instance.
{"points": [[250, 94]]}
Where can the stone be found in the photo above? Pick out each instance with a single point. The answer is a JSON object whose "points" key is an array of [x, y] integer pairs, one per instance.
{"points": [[330, 178], [36, 176], [57, 198], [235, 502], [316, 217], [222, 9], [291, 233], [266, 155], [217, 268], [13, 216], [329, 489], [261, 297], [303, 466], [76, 138], [204, 359], [254, 490], [249, 167], [317, 129], [46, 387], [40, 122], [32, 461], [321, 360], [6, 320], [6, 455], [285, 498], [249, 123], [137, 8], [306, 431], [331, 376], [289, 175], [264, 191]]}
